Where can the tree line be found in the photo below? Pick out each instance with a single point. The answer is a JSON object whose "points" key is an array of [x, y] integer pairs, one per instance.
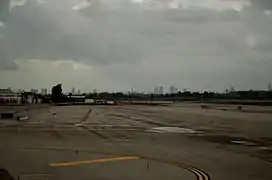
{"points": [[57, 95]]}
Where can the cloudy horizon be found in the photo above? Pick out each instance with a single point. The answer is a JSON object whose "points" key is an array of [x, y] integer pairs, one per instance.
{"points": [[116, 45]]}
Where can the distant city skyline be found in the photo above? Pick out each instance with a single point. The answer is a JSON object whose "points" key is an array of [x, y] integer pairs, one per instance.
{"points": [[155, 90], [173, 89]]}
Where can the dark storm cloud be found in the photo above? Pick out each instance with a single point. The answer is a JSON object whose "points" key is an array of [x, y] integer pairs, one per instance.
{"points": [[34, 32], [200, 16], [97, 35], [4, 9], [262, 4], [6, 63], [258, 4]]}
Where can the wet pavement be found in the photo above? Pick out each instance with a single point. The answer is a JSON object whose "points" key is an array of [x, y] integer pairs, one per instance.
{"points": [[132, 142]]}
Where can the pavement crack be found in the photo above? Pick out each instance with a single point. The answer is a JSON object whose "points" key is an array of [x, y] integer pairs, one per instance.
{"points": [[99, 134], [56, 134], [85, 117], [95, 132]]}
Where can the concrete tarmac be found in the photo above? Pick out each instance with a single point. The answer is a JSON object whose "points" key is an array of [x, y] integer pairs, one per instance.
{"points": [[138, 142]]}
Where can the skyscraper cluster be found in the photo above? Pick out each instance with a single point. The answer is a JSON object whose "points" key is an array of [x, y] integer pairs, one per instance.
{"points": [[173, 90], [158, 90]]}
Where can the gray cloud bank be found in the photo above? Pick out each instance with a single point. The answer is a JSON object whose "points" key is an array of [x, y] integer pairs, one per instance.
{"points": [[197, 41], [262, 4]]}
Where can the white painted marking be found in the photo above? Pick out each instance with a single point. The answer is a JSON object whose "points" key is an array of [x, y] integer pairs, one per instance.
{"points": [[247, 143], [172, 130]]}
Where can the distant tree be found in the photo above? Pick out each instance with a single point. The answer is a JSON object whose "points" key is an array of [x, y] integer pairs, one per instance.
{"points": [[205, 94], [179, 93], [56, 95], [151, 98], [269, 95]]}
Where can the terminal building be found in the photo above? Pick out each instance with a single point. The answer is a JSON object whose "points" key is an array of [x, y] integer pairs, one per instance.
{"points": [[7, 96]]}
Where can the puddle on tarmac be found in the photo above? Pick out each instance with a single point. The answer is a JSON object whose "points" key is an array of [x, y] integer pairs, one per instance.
{"points": [[266, 148], [246, 143], [232, 140], [172, 130]]}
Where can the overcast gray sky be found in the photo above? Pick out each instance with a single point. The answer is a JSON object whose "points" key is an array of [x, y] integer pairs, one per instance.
{"points": [[114, 45]]}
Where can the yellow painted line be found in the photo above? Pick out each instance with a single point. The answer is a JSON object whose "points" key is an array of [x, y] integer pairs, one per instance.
{"points": [[204, 175], [200, 175], [93, 161], [196, 172]]}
